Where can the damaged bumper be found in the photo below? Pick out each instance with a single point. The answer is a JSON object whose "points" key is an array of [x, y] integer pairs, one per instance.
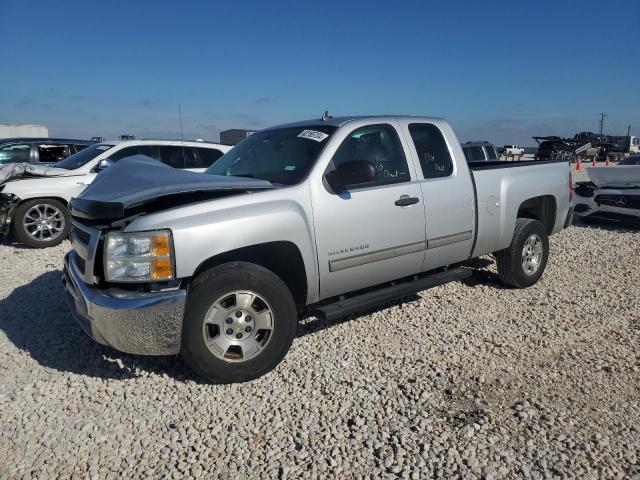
{"points": [[131, 322], [8, 203]]}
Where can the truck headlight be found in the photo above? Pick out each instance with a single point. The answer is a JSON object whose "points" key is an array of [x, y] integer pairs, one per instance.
{"points": [[139, 256]]}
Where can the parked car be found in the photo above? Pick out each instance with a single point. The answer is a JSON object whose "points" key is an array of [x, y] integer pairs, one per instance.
{"points": [[513, 151], [34, 207], [328, 216], [634, 160], [479, 152], [612, 195], [39, 150]]}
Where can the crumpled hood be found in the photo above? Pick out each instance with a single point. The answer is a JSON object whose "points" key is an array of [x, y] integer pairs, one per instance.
{"points": [[12, 171], [139, 180], [615, 176]]}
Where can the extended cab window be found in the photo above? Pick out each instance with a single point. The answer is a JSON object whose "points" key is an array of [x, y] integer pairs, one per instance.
{"points": [[378, 145], [432, 150]]}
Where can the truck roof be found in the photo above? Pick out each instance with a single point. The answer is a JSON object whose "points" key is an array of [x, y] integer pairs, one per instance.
{"points": [[147, 141], [339, 121]]}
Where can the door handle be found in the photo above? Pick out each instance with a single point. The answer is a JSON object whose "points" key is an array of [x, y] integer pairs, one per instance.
{"points": [[406, 200]]}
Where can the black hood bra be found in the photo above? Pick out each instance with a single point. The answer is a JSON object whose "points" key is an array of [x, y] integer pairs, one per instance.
{"points": [[140, 180]]}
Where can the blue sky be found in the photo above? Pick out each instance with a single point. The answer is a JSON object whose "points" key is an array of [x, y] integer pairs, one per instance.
{"points": [[499, 71]]}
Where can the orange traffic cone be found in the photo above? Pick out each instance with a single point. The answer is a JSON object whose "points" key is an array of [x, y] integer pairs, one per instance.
{"points": [[593, 162], [578, 165]]}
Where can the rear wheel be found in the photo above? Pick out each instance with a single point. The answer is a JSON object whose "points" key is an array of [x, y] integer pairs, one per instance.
{"points": [[41, 222], [239, 323], [523, 263]]}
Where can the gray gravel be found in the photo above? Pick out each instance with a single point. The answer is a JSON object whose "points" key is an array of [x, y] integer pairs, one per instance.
{"points": [[464, 381]]}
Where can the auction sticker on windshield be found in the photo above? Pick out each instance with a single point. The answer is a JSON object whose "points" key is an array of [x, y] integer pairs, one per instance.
{"points": [[313, 135]]}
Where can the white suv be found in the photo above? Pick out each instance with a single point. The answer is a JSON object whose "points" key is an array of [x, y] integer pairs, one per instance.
{"points": [[34, 209]]}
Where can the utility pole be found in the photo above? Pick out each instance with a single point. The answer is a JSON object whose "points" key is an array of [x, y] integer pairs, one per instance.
{"points": [[602, 115]]}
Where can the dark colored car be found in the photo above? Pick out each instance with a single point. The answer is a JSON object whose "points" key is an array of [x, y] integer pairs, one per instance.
{"points": [[39, 150], [635, 160], [479, 152]]}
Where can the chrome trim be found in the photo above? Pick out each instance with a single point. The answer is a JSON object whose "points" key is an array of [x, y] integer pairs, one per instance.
{"points": [[86, 251], [449, 239], [375, 256], [132, 322]]}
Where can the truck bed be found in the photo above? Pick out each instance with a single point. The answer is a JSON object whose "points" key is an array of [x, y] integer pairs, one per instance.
{"points": [[503, 189]]}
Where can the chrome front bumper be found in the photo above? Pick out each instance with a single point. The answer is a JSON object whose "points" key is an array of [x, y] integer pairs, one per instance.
{"points": [[132, 322]]}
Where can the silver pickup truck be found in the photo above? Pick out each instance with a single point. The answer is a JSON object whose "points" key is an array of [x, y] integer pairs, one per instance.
{"points": [[324, 217]]}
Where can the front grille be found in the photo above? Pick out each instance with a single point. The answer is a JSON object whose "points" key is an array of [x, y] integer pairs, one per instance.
{"points": [[620, 201], [85, 240]]}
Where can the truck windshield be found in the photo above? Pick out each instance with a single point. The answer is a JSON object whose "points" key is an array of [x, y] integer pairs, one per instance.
{"points": [[281, 156], [81, 158]]}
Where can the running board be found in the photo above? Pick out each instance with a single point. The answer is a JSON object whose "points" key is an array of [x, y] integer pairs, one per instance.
{"points": [[347, 306]]}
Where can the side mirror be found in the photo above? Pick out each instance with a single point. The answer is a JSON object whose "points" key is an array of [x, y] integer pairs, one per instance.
{"points": [[350, 174], [104, 163]]}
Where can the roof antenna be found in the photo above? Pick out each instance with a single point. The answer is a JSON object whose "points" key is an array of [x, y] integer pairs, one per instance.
{"points": [[180, 117], [325, 115]]}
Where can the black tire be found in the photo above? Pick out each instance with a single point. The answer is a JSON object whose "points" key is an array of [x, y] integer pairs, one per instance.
{"points": [[509, 260], [216, 282], [22, 235]]}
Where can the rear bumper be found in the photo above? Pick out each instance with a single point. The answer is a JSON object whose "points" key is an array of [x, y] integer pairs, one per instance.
{"points": [[612, 217], [132, 322]]}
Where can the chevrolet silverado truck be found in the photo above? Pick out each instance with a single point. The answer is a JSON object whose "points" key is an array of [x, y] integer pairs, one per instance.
{"points": [[324, 217]]}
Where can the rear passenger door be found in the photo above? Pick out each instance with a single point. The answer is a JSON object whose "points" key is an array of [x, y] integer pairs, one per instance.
{"points": [[447, 191]]}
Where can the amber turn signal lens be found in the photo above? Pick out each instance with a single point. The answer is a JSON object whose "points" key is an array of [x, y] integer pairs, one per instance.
{"points": [[160, 246], [161, 269]]}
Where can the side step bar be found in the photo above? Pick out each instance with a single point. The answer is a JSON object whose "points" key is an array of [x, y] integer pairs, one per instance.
{"points": [[347, 306]]}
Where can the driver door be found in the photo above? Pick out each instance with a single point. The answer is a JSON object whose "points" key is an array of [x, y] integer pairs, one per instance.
{"points": [[372, 232]]}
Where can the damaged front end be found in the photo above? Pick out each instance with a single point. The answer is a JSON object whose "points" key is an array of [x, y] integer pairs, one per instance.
{"points": [[8, 204]]}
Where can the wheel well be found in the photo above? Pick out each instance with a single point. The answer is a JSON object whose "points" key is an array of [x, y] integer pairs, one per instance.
{"points": [[541, 208], [282, 258], [61, 200]]}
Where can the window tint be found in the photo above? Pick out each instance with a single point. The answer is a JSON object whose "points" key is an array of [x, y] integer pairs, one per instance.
{"points": [[173, 156], [207, 156], [467, 153], [491, 153], [148, 150], [15, 153], [190, 159], [380, 146], [52, 153], [432, 150]]}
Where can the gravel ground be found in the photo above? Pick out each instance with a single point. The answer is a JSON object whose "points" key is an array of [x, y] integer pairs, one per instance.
{"points": [[466, 380]]}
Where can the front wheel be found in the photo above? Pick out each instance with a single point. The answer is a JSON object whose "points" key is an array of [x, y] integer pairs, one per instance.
{"points": [[523, 263], [240, 320], [41, 222]]}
